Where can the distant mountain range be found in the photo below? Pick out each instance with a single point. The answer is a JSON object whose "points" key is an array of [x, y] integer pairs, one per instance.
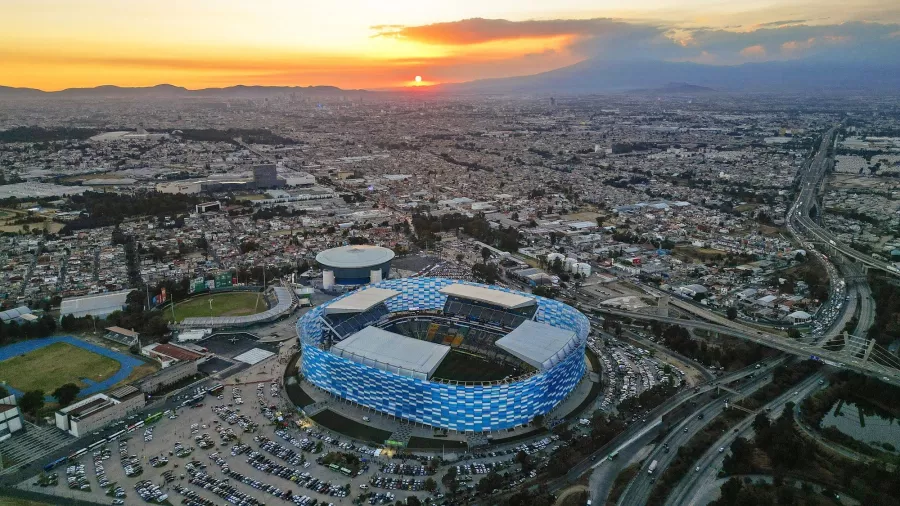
{"points": [[597, 76], [170, 91], [590, 76]]}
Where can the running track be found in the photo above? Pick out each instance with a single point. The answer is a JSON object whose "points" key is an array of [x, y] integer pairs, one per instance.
{"points": [[127, 363]]}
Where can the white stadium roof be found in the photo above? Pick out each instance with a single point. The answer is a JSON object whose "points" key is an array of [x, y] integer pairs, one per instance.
{"points": [[361, 301], [355, 257], [539, 344], [500, 298], [392, 352]]}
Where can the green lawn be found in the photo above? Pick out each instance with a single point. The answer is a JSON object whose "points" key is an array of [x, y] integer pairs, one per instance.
{"points": [[462, 366], [357, 430], [51, 366], [223, 304]]}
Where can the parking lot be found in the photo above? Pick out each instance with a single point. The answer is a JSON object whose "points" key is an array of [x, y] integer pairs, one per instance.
{"points": [[628, 371], [187, 456]]}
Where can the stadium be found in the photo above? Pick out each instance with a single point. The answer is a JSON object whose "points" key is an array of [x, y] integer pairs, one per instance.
{"points": [[354, 265], [446, 353]]}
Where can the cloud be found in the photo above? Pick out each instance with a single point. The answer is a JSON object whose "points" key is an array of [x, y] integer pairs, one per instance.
{"points": [[480, 30], [782, 23], [792, 46], [754, 52]]}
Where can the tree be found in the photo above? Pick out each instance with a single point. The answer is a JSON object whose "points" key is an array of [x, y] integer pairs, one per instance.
{"points": [[67, 393], [4, 393], [485, 254], [449, 480], [793, 333], [731, 312], [32, 401], [525, 461], [413, 501], [430, 484]]}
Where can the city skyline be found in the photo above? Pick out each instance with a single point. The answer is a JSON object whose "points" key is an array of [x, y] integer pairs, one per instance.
{"points": [[55, 45]]}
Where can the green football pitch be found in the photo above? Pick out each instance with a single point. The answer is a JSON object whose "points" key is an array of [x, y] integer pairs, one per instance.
{"points": [[219, 304]]}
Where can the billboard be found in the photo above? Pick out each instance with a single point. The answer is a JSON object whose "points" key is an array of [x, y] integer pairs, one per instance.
{"points": [[223, 280]]}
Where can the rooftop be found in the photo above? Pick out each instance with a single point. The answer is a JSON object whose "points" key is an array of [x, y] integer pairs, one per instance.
{"points": [[101, 302], [499, 298], [352, 257], [361, 301], [538, 344], [392, 352]]}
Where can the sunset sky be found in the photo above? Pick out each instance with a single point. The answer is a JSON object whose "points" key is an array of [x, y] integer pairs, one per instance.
{"points": [[374, 44]]}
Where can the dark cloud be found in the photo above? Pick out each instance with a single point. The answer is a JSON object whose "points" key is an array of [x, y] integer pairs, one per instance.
{"points": [[785, 22], [619, 40]]}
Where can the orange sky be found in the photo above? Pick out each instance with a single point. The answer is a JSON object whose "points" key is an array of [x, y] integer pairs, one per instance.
{"points": [[55, 44]]}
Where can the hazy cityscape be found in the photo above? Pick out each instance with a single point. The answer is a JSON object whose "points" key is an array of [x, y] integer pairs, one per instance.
{"points": [[554, 279]]}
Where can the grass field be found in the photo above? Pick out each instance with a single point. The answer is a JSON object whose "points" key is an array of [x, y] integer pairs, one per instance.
{"points": [[223, 304], [357, 430], [461, 366], [56, 364]]}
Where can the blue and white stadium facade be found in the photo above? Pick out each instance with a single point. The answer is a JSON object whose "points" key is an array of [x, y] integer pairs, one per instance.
{"points": [[547, 334]]}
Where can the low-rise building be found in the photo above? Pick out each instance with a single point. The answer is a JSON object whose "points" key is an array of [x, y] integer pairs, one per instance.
{"points": [[168, 376], [10, 417], [99, 410]]}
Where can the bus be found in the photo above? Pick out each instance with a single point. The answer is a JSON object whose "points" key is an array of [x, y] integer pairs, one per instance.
{"points": [[155, 417], [55, 463], [77, 454], [97, 444], [217, 389], [613, 455]]}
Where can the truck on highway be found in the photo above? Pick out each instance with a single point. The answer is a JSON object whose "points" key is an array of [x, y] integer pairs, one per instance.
{"points": [[652, 467]]}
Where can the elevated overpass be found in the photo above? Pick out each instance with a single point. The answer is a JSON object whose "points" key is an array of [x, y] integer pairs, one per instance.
{"points": [[856, 354]]}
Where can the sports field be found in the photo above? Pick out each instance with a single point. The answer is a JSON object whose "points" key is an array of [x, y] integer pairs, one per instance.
{"points": [[463, 366], [223, 304], [56, 364]]}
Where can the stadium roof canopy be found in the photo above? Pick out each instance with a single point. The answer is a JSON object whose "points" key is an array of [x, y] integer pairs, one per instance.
{"points": [[361, 301], [355, 257], [539, 344], [392, 352], [500, 298]]}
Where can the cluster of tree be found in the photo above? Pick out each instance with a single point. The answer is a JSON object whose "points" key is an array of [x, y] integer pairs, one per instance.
{"points": [[12, 179], [427, 226], [101, 209], [812, 273], [887, 315], [39, 134], [738, 492], [731, 353], [648, 399], [619, 148], [626, 182], [12, 331], [546, 291], [469, 165], [489, 273], [248, 135]]}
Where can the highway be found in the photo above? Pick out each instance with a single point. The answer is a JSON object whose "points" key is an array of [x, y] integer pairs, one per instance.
{"points": [[799, 348], [636, 429], [691, 486], [798, 215], [639, 489]]}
